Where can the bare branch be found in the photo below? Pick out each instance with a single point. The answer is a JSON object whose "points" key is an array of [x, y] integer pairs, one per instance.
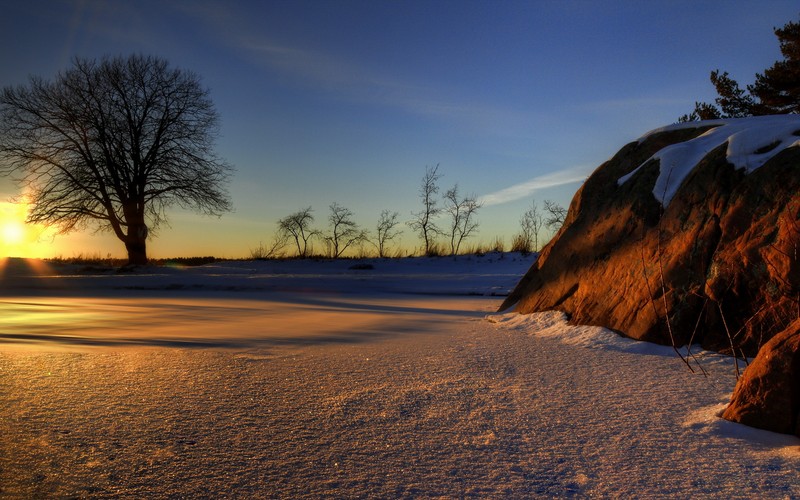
{"points": [[114, 143], [297, 226], [423, 221], [344, 231], [387, 222], [462, 217], [556, 215], [531, 223]]}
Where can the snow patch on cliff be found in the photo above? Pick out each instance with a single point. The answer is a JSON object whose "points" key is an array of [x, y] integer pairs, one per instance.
{"points": [[752, 142]]}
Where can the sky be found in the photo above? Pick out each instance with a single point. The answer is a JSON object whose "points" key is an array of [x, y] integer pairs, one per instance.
{"points": [[350, 101]]}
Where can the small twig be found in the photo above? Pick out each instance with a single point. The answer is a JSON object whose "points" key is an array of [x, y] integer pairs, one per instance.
{"points": [[730, 339], [661, 276], [666, 304], [689, 352]]}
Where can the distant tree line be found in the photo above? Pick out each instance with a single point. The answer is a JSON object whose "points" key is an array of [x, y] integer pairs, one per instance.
{"points": [[775, 91], [113, 144], [297, 232], [460, 211], [451, 217], [533, 221]]}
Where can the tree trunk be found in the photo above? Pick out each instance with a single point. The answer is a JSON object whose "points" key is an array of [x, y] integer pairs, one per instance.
{"points": [[136, 244], [137, 252]]}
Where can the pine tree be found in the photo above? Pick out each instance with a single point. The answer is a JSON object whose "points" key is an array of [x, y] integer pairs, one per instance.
{"points": [[732, 99], [702, 111], [776, 91]]}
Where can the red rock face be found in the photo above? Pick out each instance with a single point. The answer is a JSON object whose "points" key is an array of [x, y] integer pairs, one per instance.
{"points": [[767, 395], [719, 265]]}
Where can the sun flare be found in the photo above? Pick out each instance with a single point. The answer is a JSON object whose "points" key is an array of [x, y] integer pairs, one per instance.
{"points": [[12, 229], [13, 233], [18, 239]]}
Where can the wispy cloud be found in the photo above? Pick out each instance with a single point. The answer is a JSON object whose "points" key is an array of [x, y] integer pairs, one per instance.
{"points": [[314, 68], [523, 189], [634, 103], [356, 82], [326, 70]]}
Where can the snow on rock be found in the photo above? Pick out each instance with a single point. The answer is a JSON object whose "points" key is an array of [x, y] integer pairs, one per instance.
{"points": [[751, 142], [554, 324], [721, 241]]}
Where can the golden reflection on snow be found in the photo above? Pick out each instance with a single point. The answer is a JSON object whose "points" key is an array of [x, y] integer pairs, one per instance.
{"points": [[28, 267], [281, 319]]}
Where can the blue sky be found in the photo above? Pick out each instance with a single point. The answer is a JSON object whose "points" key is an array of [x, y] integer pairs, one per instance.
{"points": [[348, 101]]}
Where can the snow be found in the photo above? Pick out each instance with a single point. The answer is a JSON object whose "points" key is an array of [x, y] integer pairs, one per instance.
{"points": [[553, 324], [751, 143], [310, 379]]}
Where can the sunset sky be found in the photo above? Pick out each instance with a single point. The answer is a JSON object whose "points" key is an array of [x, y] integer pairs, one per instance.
{"points": [[348, 101]]}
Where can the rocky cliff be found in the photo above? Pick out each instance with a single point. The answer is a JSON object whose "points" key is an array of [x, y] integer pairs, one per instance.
{"points": [[689, 234], [767, 395]]}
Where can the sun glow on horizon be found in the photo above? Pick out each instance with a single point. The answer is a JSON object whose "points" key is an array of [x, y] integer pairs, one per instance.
{"points": [[18, 239]]}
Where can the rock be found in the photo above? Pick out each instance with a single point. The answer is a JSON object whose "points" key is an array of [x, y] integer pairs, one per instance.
{"points": [[680, 238], [767, 394]]}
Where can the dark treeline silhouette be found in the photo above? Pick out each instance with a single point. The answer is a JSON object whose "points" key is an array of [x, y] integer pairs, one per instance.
{"points": [[775, 91], [113, 144], [453, 217]]}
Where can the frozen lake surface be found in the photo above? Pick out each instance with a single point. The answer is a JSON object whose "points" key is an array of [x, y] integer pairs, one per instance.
{"points": [[309, 379]]}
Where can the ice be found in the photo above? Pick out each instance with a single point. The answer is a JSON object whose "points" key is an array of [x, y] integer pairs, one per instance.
{"points": [[297, 379]]}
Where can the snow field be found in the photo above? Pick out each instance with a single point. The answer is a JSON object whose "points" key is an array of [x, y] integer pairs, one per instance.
{"points": [[240, 394]]}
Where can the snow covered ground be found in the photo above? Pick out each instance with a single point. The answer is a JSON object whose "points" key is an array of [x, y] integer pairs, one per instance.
{"points": [[311, 379]]}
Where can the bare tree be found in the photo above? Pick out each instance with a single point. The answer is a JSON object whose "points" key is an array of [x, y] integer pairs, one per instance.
{"points": [[297, 226], [556, 214], [271, 251], [387, 222], [344, 230], [462, 217], [423, 221], [113, 144], [531, 224]]}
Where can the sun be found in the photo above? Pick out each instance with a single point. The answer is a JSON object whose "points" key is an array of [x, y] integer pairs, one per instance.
{"points": [[13, 232], [15, 235], [18, 238]]}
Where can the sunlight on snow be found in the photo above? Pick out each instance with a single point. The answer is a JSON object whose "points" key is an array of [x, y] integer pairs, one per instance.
{"points": [[308, 379], [751, 143], [235, 323]]}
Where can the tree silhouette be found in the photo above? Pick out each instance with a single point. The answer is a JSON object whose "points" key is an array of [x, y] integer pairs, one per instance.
{"points": [[344, 230], [776, 91], [556, 215], [531, 223], [113, 144], [462, 217], [423, 221], [778, 88], [297, 226], [385, 228]]}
